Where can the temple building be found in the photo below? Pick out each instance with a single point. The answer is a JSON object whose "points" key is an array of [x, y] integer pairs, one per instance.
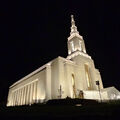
{"points": [[74, 76]]}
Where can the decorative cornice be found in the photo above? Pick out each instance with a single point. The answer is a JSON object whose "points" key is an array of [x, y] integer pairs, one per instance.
{"points": [[75, 35], [78, 53]]}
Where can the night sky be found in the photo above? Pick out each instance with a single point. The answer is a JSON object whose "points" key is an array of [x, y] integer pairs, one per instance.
{"points": [[35, 32]]}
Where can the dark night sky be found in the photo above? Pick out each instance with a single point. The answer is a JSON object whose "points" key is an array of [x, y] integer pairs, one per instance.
{"points": [[35, 32]]}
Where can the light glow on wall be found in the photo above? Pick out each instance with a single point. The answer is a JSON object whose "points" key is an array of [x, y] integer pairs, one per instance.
{"points": [[72, 46], [87, 76], [73, 85], [80, 47]]}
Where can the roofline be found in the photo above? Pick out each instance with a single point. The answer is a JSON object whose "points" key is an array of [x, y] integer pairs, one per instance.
{"points": [[32, 73], [39, 69]]}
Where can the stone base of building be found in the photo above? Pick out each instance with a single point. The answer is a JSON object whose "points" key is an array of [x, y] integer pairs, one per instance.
{"points": [[110, 93]]}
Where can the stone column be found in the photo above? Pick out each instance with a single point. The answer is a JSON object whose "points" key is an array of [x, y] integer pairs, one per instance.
{"points": [[18, 97], [26, 95], [48, 82], [30, 93], [33, 92], [27, 89], [9, 98], [13, 96], [34, 97], [12, 99], [36, 90], [23, 95]]}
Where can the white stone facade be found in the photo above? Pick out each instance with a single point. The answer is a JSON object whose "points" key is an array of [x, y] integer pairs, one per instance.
{"points": [[61, 77]]}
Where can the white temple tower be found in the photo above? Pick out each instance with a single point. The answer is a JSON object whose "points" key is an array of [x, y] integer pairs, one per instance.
{"points": [[77, 53]]}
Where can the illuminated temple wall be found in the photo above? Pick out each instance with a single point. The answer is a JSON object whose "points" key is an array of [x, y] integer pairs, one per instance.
{"points": [[29, 90], [44, 83], [89, 74]]}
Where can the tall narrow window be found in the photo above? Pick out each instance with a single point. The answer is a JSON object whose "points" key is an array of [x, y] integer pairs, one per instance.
{"points": [[72, 46], [80, 47], [73, 85], [88, 76]]}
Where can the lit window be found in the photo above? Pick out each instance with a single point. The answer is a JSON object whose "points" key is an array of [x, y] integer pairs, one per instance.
{"points": [[88, 76], [72, 46], [80, 47]]}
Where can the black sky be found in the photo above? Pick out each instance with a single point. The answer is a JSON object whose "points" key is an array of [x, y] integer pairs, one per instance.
{"points": [[35, 32]]}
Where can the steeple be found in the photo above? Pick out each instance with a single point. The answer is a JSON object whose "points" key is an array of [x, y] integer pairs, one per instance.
{"points": [[73, 27], [76, 44]]}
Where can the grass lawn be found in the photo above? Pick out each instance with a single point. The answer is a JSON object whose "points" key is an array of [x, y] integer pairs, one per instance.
{"points": [[64, 109]]}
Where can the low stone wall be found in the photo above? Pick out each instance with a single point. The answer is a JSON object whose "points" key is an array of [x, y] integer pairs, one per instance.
{"points": [[95, 95]]}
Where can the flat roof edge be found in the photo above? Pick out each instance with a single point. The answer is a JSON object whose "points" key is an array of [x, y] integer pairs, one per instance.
{"points": [[32, 73], [39, 69]]}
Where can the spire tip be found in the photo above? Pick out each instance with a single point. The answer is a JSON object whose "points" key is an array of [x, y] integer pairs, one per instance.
{"points": [[72, 17], [73, 27]]}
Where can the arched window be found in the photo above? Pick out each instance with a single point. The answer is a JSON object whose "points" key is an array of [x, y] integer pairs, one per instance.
{"points": [[73, 86], [73, 80], [72, 46], [88, 76]]}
